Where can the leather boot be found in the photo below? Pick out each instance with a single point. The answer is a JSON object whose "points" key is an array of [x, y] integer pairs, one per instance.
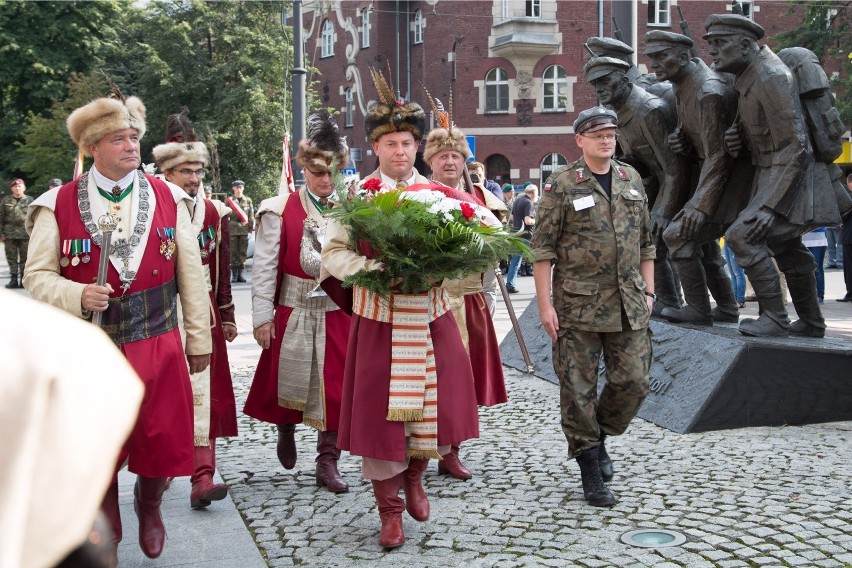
{"points": [[240, 275], [697, 309], [773, 321], [204, 491], [594, 490], [450, 464], [111, 510], [390, 511], [148, 494], [286, 448], [233, 274], [416, 502], [13, 282], [327, 455], [720, 286], [604, 461], [803, 292], [665, 286]]}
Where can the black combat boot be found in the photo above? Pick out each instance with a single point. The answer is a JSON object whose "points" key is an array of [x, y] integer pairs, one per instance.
{"points": [[773, 320], [594, 490], [13, 282], [697, 309], [720, 286], [804, 294], [240, 275]]}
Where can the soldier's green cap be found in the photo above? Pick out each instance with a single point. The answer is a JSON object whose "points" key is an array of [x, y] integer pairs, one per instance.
{"points": [[598, 67], [731, 24], [609, 47], [595, 118], [659, 40], [507, 187]]}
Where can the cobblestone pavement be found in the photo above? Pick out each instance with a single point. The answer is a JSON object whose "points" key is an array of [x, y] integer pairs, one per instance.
{"points": [[750, 497]]}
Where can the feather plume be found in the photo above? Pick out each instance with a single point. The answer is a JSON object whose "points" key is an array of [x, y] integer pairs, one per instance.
{"points": [[179, 128], [383, 87], [441, 116], [115, 89], [323, 133]]}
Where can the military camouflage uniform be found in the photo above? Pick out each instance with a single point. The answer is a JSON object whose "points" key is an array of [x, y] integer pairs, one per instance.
{"points": [[13, 212], [598, 295], [239, 232]]}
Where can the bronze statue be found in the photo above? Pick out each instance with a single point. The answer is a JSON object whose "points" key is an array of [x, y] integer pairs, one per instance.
{"points": [[788, 195], [719, 188]]}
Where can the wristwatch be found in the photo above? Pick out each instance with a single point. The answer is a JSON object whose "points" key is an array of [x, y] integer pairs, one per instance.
{"points": [[651, 295]]}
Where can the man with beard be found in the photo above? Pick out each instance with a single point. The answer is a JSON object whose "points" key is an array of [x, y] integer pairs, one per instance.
{"points": [[182, 160]]}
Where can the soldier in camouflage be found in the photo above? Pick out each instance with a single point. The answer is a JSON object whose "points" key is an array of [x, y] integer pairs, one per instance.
{"points": [[242, 223], [13, 212], [593, 229]]}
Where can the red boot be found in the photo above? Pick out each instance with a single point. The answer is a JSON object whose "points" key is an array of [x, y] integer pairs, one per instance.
{"points": [[111, 510], [327, 456], [451, 464], [286, 448], [148, 494], [204, 491], [390, 511], [416, 502]]}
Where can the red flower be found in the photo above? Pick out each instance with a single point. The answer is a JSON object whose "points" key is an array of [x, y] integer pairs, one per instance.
{"points": [[373, 184], [468, 212]]}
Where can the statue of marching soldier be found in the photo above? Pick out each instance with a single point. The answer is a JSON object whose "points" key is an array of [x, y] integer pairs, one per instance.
{"points": [[755, 136]]}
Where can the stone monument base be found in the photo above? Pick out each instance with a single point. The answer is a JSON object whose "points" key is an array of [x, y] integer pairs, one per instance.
{"points": [[714, 378]]}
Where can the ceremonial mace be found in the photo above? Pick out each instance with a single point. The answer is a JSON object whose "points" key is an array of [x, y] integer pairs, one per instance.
{"points": [[106, 224], [506, 298]]}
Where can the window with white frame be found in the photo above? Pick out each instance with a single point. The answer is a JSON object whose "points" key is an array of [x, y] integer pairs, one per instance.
{"points": [[533, 8], [365, 27], [497, 90], [349, 111], [554, 88], [507, 9], [327, 39], [748, 8], [658, 13], [418, 27], [549, 164]]}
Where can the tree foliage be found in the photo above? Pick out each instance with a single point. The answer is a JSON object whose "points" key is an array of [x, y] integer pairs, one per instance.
{"points": [[827, 31], [223, 60]]}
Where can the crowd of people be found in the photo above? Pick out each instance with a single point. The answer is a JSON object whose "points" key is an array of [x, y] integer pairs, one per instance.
{"points": [[396, 378]]}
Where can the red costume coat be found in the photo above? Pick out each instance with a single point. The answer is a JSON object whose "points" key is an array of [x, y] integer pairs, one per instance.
{"points": [[161, 443], [262, 401], [484, 351], [223, 407]]}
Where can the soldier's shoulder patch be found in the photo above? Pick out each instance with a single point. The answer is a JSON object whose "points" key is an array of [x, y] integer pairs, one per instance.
{"points": [[624, 167]]}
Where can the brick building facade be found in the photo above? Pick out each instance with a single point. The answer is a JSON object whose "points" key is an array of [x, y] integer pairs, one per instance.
{"points": [[514, 67]]}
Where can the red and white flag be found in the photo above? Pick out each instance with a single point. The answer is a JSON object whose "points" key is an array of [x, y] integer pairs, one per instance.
{"points": [[238, 211], [286, 183]]}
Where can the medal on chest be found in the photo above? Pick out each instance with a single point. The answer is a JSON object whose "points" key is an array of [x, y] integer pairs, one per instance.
{"points": [[167, 242]]}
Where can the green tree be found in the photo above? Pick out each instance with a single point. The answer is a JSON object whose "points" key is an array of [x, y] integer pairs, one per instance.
{"points": [[827, 31], [41, 44], [47, 151]]}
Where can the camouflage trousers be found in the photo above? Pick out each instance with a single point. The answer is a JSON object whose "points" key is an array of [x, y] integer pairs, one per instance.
{"points": [[627, 358], [239, 247], [16, 255]]}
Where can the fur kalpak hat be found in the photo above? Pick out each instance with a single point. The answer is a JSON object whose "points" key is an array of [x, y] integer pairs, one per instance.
{"points": [[445, 136], [88, 124], [323, 147], [390, 115], [181, 144]]}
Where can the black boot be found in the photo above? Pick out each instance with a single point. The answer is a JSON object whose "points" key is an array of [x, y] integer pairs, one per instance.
{"points": [[665, 285], [594, 490], [234, 274], [803, 292], [773, 321], [13, 282], [604, 461], [720, 286], [286, 447], [697, 309], [240, 275]]}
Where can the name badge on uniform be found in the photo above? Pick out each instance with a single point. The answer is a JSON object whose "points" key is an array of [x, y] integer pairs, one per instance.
{"points": [[584, 203]]}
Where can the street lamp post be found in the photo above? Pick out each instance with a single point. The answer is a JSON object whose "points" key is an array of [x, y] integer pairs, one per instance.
{"points": [[298, 101]]}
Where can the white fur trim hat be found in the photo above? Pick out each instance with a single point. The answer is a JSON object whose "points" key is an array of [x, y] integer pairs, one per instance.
{"points": [[88, 124]]}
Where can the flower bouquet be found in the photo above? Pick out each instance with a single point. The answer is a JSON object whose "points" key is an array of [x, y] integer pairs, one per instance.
{"points": [[421, 236]]}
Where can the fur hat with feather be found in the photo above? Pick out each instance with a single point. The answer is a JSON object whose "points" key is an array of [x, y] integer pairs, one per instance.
{"points": [[390, 115], [323, 148], [88, 124], [181, 145], [446, 135]]}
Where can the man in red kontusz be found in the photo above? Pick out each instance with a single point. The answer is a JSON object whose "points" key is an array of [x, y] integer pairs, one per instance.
{"points": [[153, 257], [373, 424], [182, 160]]}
